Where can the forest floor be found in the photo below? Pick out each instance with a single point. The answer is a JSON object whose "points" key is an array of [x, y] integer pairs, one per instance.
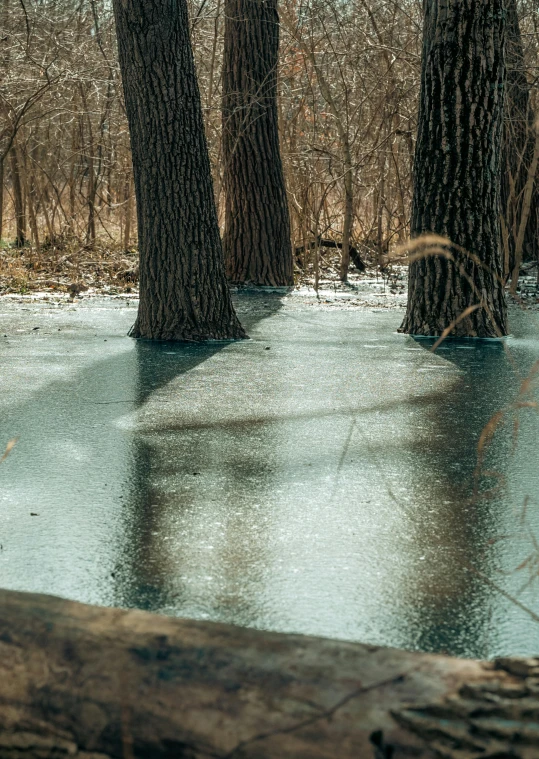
{"points": [[67, 271]]}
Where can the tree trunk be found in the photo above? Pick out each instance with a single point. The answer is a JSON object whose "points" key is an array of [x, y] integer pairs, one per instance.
{"points": [[18, 198], [348, 210], [73, 159], [128, 200], [1, 196], [257, 224], [183, 290], [518, 151], [528, 209], [28, 183], [457, 168], [96, 683], [92, 191]]}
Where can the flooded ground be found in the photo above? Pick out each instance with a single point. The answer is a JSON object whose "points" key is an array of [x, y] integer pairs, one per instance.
{"points": [[315, 479]]}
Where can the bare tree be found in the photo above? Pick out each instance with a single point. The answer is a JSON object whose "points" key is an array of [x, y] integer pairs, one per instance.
{"points": [[257, 241], [457, 168], [520, 193], [183, 291], [347, 92]]}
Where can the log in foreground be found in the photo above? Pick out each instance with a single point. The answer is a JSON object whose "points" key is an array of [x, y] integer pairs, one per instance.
{"points": [[93, 683]]}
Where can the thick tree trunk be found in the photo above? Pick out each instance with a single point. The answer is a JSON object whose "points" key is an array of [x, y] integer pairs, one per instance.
{"points": [[518, 155], [183, 290], [93, 683], [257, 224], [457, 169]]}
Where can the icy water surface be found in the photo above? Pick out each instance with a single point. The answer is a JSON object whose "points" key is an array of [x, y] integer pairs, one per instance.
{"points": [[315, 479]]}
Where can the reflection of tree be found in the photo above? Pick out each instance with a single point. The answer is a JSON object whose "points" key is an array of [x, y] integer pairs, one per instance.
{"points": [[452, 607], [195, 516], [190, 493], [280, 514]]}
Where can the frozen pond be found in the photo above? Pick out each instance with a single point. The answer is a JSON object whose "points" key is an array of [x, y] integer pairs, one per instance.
{"points": [[315, 479]]}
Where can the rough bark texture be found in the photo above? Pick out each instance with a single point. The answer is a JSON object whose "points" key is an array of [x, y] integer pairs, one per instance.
{"points": [[457, 169], [183, 290], [257, 224], [94, 683], [518, 149]]}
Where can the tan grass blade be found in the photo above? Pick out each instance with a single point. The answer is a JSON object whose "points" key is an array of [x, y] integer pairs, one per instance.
{"points": [[527, 383], [447, 331], [9, 447]]}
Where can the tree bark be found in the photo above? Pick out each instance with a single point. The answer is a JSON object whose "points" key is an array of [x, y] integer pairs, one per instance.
{"points": [[257, 223], [183, 289], [457, 169], [96, 683]]}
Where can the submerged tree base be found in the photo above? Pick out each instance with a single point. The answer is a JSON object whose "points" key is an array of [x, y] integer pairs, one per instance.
{"points": [[464, 298], [233, 331], [466, 328]]}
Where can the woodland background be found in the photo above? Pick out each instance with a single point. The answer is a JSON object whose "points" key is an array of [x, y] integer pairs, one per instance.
{"points": [[349, 82]]}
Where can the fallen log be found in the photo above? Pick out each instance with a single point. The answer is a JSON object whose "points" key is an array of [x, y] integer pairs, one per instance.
{"points": [[97, 683]]}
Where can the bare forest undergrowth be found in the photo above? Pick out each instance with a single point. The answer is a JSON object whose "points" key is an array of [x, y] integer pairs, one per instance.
{"points": [[68, 267], [68, 271], [348, 88]]}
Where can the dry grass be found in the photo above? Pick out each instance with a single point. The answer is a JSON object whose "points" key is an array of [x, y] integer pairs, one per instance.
{"points": [[9, 447]]}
